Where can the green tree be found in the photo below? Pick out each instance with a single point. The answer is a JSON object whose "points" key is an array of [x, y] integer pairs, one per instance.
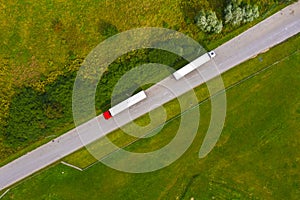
{"points": [[208, 22], [250, 13], [238, 12]]}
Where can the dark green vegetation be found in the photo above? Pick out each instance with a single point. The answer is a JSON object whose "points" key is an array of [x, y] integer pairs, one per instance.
{"points": [[34, 114], [256, 157]]}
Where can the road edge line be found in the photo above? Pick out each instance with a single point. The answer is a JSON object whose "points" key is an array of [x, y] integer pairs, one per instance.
{"points": [[4, 193]]}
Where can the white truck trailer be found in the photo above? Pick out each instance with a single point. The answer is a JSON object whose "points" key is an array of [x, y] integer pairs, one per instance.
{"points": [[124, 105], [193, 65]]}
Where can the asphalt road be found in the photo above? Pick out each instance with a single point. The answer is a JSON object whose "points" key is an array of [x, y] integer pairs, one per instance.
{"points": [[264, 35]]}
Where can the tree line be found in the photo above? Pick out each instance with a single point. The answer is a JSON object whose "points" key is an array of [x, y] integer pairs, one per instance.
{"points": [[234, 13]]}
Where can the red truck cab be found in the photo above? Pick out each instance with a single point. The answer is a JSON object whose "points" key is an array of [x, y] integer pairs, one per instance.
{"points": [[107, 115]]}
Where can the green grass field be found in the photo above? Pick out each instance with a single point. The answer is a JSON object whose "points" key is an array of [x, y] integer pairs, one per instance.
{"points": [[256, 157]]}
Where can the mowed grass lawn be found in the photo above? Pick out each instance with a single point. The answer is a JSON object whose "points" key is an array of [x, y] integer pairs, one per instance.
{"points": [[257, 156]]}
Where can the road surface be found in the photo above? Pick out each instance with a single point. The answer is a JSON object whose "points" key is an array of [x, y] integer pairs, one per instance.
{"points": [[264, 35]]}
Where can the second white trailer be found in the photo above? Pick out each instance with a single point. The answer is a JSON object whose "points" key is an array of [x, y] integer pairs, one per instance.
{"points": [[193, 65]]}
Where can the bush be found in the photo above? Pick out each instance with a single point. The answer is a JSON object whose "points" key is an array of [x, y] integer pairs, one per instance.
{"points": [[209, 22], [107, 29]]}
